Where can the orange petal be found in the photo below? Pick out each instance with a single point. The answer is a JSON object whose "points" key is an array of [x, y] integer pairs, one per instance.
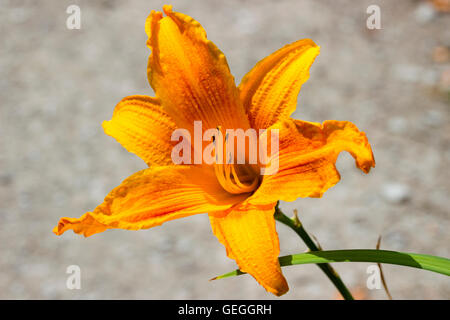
{"points": [[153, 196], [85, 225], [307, 157], [143, 128], [250, 237], [190, 74], [269, 91]]}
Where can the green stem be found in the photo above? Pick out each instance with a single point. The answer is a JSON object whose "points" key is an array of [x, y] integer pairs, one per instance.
{"points": [[326, 267]]}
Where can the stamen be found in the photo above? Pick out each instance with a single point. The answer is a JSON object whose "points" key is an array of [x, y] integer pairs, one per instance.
{"points": [[228, 176], [243, 187]]}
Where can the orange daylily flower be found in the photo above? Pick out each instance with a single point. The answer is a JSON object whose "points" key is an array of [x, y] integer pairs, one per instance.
{"points": [[192, 82]]}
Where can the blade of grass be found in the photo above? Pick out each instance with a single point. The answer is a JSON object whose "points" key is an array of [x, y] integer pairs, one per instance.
{"points": [[383, 279], [421, 261]]}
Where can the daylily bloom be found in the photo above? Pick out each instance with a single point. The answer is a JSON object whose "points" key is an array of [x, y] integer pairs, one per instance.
{"points": [[192, 82]]}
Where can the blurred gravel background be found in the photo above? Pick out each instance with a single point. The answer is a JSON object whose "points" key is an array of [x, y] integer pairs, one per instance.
{"points": [[58, 85]]}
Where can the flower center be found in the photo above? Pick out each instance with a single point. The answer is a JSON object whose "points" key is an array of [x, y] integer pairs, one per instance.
{"points": [[235, 178]]}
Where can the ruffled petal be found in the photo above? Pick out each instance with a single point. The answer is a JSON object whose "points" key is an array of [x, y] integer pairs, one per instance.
{"points": [[250, 238], [85, 225], [153, 196], [307, 157], [269, 91], [142, 127], [190, 74]]}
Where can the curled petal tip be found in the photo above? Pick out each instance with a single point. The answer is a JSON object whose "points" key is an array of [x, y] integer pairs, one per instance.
{"points": [[56, 230], [167, 8], [151, 22]]}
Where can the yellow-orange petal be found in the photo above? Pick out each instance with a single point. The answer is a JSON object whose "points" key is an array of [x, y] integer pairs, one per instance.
{"points": [[307, 157], [250, 238], [190, 74], [142, 127], [153, 196], [85, 225], [269, 91]]}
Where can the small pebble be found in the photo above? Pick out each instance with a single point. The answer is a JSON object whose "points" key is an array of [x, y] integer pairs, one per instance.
{"points": [[441, 5], [396, 193], [425, 12], [444, 81], [433, 118], [397, 125], [441, 54]]}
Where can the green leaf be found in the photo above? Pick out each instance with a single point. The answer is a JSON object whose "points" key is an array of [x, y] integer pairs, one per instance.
{"points": [[420, 261]]}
